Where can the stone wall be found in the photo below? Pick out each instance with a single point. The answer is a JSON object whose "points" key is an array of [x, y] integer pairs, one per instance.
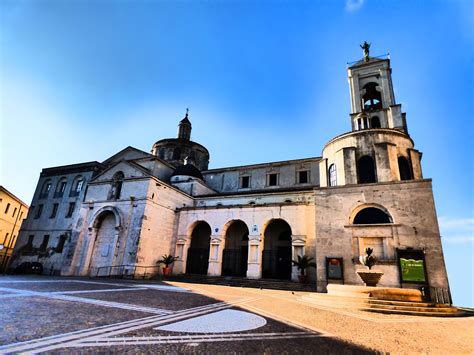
{"points": [[415, 225], [229, 179], [56, 227]]}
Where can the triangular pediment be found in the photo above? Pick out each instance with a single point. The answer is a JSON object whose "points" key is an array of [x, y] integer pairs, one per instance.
{"points": [[128, 168], [129, 153]]}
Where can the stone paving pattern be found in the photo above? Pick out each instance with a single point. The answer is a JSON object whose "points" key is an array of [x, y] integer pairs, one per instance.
{"points": [[292, 325], [173, 301]]}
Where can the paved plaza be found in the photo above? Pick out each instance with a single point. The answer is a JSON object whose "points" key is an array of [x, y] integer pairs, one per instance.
{"points": [[58, 315]]}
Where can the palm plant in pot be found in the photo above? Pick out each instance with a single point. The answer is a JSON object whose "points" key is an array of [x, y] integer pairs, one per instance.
{"points": [[370, 277], [302, 264], [167, 260]]}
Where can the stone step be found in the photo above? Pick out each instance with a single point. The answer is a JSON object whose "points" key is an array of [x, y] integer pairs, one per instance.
{"points": [[384, 306], [366, 300], [243, 282], [416, 313]]}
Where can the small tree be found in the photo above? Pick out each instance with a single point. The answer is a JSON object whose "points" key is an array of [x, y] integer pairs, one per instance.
{"points": [[303, 263], [368, 260], [167, 260]]}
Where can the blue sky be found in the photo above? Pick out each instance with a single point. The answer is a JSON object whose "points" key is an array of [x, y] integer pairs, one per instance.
{"points": [[264, 81]]}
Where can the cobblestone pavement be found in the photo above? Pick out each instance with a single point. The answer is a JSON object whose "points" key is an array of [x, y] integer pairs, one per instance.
{"points": [[78, 315]]}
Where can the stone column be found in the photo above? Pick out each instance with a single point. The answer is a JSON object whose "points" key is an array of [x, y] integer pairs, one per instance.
{"points": [[382, 162], [254, 264], [215, 256], [415, 158], [182, 246], [349, 166], [323, 168]]}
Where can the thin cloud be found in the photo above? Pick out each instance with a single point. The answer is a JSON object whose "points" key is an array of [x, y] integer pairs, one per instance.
{"points": [[457, 230], [353, 5]]}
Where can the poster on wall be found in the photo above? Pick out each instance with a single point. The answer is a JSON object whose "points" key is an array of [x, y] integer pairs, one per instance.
{"points": [[334, 268], [412, 270]]}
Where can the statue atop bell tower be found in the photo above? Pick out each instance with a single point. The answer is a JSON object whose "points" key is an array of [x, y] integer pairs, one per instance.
{"points": [[366, 47], [373, 102]]}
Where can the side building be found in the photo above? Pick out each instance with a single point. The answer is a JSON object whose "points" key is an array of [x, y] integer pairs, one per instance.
{"points": [[12, 213], [53, 213]]}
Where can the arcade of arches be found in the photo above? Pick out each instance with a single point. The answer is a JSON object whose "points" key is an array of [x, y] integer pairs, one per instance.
{"points": [[275, 258]]}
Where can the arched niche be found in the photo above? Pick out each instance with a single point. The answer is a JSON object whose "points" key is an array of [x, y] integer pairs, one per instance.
{"points": [[404, 168], [366, 170], [371, 214], [116, 188]]}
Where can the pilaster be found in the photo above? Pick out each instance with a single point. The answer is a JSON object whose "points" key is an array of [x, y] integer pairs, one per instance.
{"points": [[215, 255], [254, 267]]}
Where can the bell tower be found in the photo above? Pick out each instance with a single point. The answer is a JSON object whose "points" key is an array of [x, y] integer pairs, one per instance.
{"points": [[373, 102], [378, 149]]}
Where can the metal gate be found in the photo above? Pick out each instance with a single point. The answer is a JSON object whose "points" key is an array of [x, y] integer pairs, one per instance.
{"points": [[234, 262], [197, 261], [276, 263]]}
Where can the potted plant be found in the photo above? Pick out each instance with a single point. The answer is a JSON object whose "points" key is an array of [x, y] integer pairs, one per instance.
{"points": [[302, 264], [167, 260], [370, 277]]}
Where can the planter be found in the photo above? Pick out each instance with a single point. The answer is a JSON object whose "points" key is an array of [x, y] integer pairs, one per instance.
{"points": [[166, 271], [303, 279], [370, 277]]}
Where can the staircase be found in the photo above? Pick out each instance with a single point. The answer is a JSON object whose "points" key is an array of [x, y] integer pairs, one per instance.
{"points": [[427, 309], [243, 282]]}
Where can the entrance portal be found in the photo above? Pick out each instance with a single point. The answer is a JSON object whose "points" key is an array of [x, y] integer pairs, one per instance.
{"points": [[234, 261], [276, 263], [197, 261], [104, 247]]}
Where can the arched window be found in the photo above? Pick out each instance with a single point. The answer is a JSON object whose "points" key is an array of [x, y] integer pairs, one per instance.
{"points": [[372, 215], [60, 187], [372, 98], [116, 189], [45, 189], [375, 122], [366, 170], [162, 153], [332, 175], [77, 185], [176, 153], [366, 122], [404, 168]]}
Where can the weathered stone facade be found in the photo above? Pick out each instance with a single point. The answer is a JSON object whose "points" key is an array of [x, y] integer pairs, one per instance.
{"points": [[367, 190]]}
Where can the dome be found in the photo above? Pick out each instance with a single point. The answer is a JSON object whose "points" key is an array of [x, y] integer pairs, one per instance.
{"points": [[188, 170]]}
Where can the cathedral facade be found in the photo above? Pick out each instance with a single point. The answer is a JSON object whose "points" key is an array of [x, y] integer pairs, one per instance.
{"points": [[366, 190]]}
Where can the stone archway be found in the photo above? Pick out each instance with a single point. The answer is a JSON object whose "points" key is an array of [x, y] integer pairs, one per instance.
{"points": [[103, 253], [100, 246], [197, 261], [235, 254], [277, 251]]}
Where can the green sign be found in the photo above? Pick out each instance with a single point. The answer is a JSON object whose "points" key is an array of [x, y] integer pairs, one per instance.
{"points": [[412, 270]]}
